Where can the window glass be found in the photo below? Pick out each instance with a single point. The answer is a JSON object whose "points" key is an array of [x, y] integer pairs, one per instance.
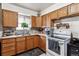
{"points": [[21, 19]]}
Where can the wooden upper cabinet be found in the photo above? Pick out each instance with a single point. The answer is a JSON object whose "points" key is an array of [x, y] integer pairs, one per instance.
{"points": [[33, 18], [10, 18], [53, 15], [63, 12], [48, 20], [44, 21], [43, 18], [73, 9], [38, 21]]}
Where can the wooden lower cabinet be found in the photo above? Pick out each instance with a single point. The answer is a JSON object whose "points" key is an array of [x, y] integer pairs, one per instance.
{"points": [[13, 46], [36, 41], [29, 43], [8, 53], [20, 44], [8, 47], [43, 43], [32, 42]]}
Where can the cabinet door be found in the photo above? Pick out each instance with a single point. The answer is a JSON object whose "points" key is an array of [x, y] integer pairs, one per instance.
{"points": [[14, 20], [29, 43], [36, 41], [53, 15], [44, 21], [20, 45], [73, 9], [38, 22], [63, 12], [10, 18], [43, 43], [33, 19], [48, 20], [8, 47]]}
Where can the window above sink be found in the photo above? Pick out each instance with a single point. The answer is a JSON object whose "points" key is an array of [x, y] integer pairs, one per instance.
{"points": [[25, 19]]}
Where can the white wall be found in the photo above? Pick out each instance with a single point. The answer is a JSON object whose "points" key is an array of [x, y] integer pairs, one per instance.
{"points": [[54, 7], [18, 9]]}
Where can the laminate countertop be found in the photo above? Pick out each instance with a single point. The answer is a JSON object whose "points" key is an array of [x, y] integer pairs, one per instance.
{"points": [[15, 36]]}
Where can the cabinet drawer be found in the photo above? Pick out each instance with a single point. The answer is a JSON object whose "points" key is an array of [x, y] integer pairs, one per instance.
{"points": [[8, 40], [8, 45], [9, 53], [20, 39], [8, 49]]}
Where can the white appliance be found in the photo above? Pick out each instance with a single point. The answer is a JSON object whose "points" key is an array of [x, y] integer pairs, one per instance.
{"points": [[57, 44]]}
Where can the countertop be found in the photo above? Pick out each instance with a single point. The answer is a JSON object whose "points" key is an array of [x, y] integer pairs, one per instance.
{"points": [[14, 36]]}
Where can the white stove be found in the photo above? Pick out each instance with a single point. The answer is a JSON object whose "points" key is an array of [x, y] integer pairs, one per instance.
{"points": [[57, 44]]}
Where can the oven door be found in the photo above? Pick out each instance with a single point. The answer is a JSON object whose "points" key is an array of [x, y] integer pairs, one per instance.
{"points": [[54, 46]]}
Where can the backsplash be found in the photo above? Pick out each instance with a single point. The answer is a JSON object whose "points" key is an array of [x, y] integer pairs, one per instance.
{"points": [[63, 25], [73, 23], [21, 32], [8, 31], [26, 31]]}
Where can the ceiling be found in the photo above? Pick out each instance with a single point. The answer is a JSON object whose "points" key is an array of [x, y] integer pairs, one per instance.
{"points": [[34, 6]]}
